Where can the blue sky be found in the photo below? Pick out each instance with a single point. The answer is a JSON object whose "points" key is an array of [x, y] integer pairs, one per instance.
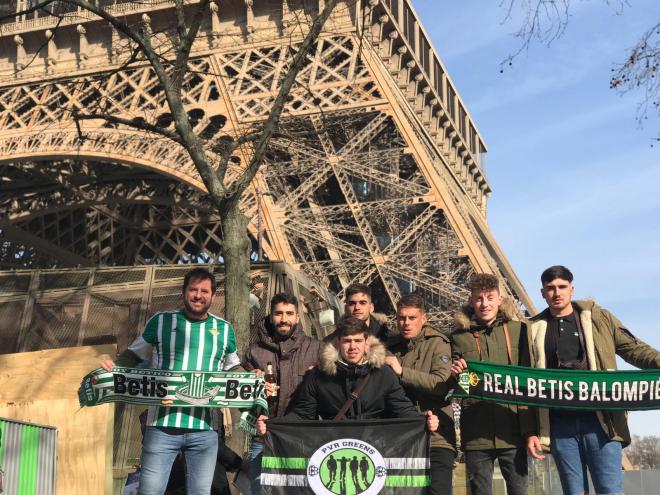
{"points": [[575, 179]]}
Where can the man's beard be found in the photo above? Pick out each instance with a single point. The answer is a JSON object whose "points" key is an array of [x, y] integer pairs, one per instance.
{"points": [[192, 312], [278, 335]]}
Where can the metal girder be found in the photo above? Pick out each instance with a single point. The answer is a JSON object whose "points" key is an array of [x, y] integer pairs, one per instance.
{"points": [[349, 194], [44, 247], [351, 198]]}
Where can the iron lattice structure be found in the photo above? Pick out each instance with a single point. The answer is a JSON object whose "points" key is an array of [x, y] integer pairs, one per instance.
{"points": [[376, 176]]}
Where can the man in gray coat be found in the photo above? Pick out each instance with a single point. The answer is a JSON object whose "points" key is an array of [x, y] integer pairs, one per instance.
{"points": [[281, 342]]}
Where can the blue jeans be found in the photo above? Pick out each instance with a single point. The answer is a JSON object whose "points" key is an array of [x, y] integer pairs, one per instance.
{"points": [[254, 460], [578, 442], [160, 447]]}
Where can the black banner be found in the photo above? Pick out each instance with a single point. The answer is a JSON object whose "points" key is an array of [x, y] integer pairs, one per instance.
{"points": [[388, 456]]}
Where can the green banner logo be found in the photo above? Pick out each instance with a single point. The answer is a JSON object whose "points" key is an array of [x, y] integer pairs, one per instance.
{"points": [[346, 467]]}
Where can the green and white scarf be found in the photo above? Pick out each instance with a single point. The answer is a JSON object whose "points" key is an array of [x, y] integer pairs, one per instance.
{"points": [[569, 389], [153, 387]]}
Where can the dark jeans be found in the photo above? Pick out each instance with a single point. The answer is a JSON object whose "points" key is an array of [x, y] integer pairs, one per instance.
{"points": [[442, 467], [481, 463]]}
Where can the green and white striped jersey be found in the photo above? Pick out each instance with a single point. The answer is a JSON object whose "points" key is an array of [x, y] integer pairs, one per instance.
{"points": [[174, 342]]}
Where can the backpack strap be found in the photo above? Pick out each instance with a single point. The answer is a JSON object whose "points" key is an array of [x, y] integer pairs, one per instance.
{"points": [[353, 397]]}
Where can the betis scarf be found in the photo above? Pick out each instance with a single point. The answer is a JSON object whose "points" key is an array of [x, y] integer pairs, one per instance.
{"points": [[153, 387], [570, 389], [346, 457]]}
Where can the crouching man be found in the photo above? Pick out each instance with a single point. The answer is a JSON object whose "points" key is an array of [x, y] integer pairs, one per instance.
{"points": [[354, 362]]}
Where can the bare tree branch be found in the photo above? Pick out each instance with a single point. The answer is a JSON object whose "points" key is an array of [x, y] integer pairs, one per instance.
{"points": [[42, 45], [644, 452], [642, 70], [169, 59], [272, 122], [546, 20], [135, 124], [180, 20], [187, 38]]}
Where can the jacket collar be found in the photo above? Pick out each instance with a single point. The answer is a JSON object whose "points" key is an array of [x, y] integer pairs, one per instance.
{"points": [[329, 357], [265, 333]]}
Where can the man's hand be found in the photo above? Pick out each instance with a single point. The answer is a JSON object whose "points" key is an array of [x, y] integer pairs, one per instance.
{"points": [[261, 424], [534, 447], [393, 363], [432, 421], [457, 367], [107, 364], [271, 389]]}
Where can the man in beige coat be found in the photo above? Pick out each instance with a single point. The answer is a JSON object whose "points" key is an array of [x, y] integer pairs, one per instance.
{"points": [[582, 335], [421, 357]]}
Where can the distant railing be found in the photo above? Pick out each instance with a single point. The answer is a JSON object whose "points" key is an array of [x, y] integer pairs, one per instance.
{"points": [[44, 20]]}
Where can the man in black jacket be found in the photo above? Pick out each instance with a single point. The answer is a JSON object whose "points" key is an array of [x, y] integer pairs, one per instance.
{"points": [[353, 355]]}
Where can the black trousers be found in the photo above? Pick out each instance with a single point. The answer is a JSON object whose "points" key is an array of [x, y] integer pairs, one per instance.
{"points": [[481, 463], [442, 468]]}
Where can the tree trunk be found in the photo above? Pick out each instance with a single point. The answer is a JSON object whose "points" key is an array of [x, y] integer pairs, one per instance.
{"points": [[236, 252]]}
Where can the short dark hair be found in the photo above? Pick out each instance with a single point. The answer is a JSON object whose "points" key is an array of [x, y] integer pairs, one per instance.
{"points": [[484, 281], [283, 298], [199, 274], [357, 289], [350, 325], [412, 300], [554, 272]]}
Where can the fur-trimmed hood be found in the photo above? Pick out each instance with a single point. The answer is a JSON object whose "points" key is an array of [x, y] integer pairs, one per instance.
{"points": [[464, 317], [330, 355]]}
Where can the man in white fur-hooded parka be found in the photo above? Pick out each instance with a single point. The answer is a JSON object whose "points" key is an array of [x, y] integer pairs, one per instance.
{"points": [[343, 364]]}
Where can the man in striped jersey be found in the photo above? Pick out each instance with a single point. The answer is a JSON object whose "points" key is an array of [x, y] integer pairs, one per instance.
{"points": [[190, 339]]}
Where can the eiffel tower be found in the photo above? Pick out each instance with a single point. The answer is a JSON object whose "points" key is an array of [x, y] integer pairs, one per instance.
{"points": [[378, 176]]}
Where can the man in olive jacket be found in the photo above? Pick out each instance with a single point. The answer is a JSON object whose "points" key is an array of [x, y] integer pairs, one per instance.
{"points": [[281, 342], [582, 335], [421, 357], [485, 331]]}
